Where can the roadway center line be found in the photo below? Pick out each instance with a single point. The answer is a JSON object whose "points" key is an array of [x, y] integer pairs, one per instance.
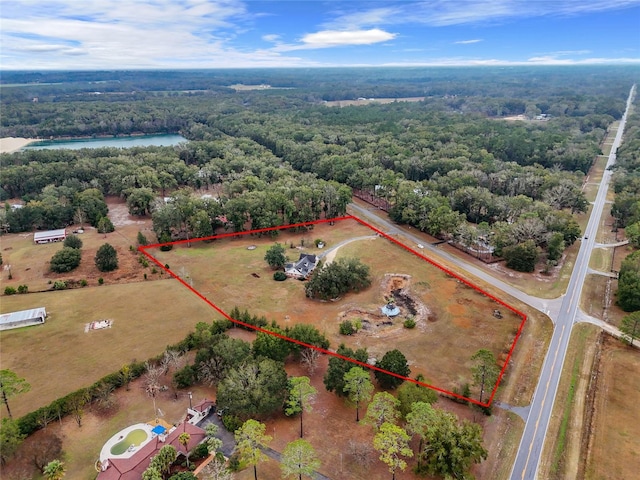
{"points": [[553, 366]]}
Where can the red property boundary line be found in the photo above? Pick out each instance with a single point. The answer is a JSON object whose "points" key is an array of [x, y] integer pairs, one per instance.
{"points": [[143, 250]]}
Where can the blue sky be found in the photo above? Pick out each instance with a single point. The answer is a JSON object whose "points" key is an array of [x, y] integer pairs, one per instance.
{"points": [[131, 34]]}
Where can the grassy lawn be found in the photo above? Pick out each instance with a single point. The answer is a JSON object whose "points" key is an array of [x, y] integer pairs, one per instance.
{"points": [[615, 451], [59, 357], [458, 323]]}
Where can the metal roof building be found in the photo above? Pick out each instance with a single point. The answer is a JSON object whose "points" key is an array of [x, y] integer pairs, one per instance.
{"points": [[23, 318], [50, 236]]}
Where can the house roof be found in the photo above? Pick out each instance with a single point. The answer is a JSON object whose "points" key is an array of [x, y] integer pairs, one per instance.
{"points": [[304, 266], [203, 405], [133, 467]]}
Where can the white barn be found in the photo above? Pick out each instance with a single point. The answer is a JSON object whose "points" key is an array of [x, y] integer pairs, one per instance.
{"points": [[23, 318], [50, 236]]}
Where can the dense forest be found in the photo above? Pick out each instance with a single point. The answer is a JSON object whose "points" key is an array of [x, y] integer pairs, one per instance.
{"points": [[452, 163]]}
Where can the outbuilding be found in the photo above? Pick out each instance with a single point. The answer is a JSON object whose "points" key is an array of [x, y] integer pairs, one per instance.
{"points": [[50, 236], [23, 318]]}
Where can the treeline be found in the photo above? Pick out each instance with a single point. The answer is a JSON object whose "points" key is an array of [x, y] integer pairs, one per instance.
{"points": [[250, 188], [626, 177]]}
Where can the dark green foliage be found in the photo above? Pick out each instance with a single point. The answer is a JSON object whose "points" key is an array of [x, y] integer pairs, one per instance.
{"points": [[256, 388], [65, 260], [73, 241], [100, 281], [231, 422], [334, 377], [521, 257], [9, 291], [60, 285], [279, 276], [392, 361], [142, 240], [339, 277], [271, 346], [410, 393], [276, 257], [185, 377], [106, 258], [555, 246], [23, 289], [409, 323], [105, 225], [183, 476], [629, 283], [306, 334], [451, 448], [347, 328], [632, 232]]}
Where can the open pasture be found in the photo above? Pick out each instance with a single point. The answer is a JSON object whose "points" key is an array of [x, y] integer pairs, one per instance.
{"points": [[59, 357], [453, 320]]}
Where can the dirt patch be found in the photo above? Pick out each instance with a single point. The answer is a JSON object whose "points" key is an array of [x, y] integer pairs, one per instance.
{"points": [[119, 214], [617, 401]]}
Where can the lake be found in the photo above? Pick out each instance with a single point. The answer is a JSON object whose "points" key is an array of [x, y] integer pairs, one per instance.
{"points": [[116, 142]]}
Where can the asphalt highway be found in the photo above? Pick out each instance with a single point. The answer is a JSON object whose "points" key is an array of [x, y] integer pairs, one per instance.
{"points": [[563, 311], [530, 450]]}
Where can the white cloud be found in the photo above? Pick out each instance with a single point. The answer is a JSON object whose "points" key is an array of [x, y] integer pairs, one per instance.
{"points": [[338, 38], [332, 38], [271, 37], [468, 42], [129, 34], [460, 12]]}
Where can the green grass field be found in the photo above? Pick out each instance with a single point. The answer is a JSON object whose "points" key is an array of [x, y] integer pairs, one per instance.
{"points": [[59, 357]]}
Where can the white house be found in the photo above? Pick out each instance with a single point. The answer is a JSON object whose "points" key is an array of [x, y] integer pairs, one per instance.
{"points": [[304, 267]]}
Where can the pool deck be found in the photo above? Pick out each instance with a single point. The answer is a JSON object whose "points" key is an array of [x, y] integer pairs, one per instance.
{"points": [[105, 453]]}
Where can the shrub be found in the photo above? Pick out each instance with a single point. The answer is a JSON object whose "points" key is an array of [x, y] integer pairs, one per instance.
{"points": [[83, 283], [100, 281], [142, 240], [409, 323], [201, 451], [9, 291], [23, 288], [231, 422], [73, 241], [65, 260], [347, 328], [279, 276], [106, 258], [60, 285], [105, 225], [185, 377], [164, 239]]}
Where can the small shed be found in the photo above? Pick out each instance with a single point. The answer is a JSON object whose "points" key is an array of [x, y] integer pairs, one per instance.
{"points": [[23, 318], [50, 236]]}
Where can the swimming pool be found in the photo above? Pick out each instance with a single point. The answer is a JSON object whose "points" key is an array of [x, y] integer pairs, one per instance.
{"points": [[120, 445], [134, 437]]}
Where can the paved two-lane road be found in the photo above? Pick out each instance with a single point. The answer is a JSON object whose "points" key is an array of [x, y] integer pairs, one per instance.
{"points": [[528, 457]]}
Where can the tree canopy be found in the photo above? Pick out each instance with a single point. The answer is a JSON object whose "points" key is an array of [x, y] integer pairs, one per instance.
{"points": [[629, 283], [106, 258], [254, 389], [393, 361], [337, 278], [65, 260]]}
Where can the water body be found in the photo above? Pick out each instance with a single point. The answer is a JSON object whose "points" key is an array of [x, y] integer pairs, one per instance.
{"points": [[116, 142]]}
